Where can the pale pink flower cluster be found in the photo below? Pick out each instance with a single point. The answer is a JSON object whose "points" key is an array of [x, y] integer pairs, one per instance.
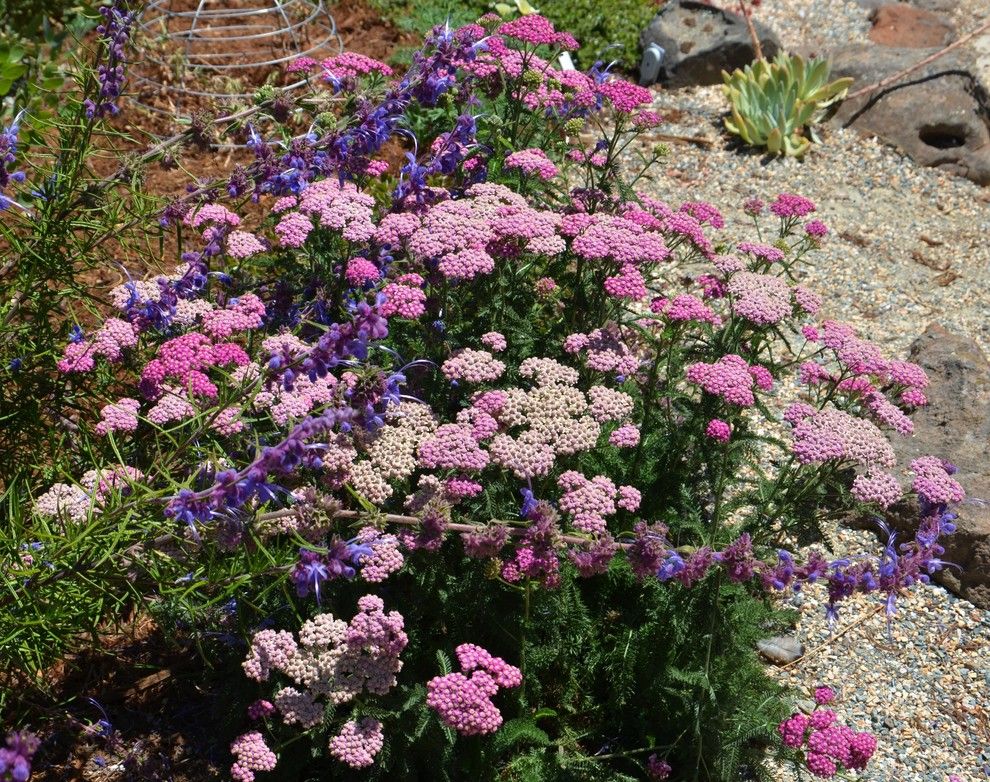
{"points": [[173, 405], [534, 230], [760, 298], [110, 341], [878, 487], [522, 430], [607, 404], [298, 707], [391, 452], [211, 213], [465, 703], [385, 559], [252, 754], [453, 447], [466, 264], [243, 244], [807, 300], [858, 355], [270, 650], [832, 434], [589, 501], [763, 252], [888, 413], [188, 311], [396, 227], [532, 161], [241, 314], [342, 208], [494, 341], [76, 501], [626, 436], [358, 742], [603, 352], [332, 659], [64, 500], [283, 404], [464, 235], [293, 229], [473, 366], [120, 416]]}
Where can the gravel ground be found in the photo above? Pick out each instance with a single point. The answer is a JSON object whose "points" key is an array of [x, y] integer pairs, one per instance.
{"points": [[922, 689], [815, 23], [908, 246]]}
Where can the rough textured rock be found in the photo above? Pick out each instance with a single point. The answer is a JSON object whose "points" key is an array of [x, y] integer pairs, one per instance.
{"points": [[956, 426], [700, 41], [903, 25], [938, 115]]}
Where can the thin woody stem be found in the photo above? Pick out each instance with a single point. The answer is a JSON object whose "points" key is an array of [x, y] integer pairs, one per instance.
{"points": [[414, 521], [747, 15], [920, 64]]}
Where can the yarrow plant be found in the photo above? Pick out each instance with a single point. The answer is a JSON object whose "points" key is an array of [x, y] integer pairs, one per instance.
{"points": [[504, 392], [826, 746]]}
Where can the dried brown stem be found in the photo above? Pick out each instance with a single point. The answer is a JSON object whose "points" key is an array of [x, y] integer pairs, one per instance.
{"points": [[886, 82], [747, 15], [414, 521]]}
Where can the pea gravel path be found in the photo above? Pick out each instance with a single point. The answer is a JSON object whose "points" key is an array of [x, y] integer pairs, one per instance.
{"points": [[907, 246]]}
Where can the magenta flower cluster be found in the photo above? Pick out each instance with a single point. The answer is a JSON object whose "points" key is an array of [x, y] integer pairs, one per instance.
{"points": [[464, 703], [828, 747]]}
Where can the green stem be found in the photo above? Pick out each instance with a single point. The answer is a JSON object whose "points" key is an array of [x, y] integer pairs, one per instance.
{"points": [[523, 637]]}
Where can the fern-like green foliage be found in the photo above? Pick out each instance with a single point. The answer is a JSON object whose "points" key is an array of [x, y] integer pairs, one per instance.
{"points": [[773, 104]]}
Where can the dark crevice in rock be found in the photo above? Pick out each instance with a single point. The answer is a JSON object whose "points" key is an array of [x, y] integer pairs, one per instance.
{"points": [[943, 136]]}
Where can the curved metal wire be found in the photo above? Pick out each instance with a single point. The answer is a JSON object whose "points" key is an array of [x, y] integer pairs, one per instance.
{"points": [[252, 35]]}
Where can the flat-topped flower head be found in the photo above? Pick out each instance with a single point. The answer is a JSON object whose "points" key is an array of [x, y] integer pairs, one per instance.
{"points": [[532, 161]]}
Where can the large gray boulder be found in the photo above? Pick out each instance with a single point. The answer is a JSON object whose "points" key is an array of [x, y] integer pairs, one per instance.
{"points": [[700, 41], [955, 425], [938, 115]]}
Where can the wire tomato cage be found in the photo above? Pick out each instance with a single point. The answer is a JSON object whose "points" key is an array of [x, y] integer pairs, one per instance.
{"points": [[197, 53]]}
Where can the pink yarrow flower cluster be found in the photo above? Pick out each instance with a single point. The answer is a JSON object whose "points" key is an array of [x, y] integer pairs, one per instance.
{"points": [[532, 161], [120, 416], [465, 703], [589, 501], [933, 481], [358, 742], [110, 342], [731, 379], [828, 746], [352, 65], [252, 755], [537, 30]]}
